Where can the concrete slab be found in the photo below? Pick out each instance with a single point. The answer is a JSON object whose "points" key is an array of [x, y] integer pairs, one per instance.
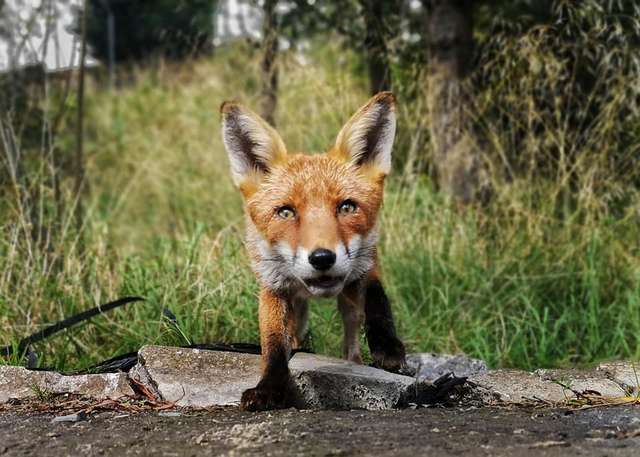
{"points": [[19, 383], [624, 373], [201, 378], [197, 378], [515, 386], [583, 381], [327, 383]]}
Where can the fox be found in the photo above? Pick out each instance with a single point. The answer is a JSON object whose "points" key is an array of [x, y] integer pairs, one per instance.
{"points": [[312, 231]]}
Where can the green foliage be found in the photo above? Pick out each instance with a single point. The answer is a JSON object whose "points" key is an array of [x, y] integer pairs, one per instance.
{"points": [[150, 28], [567, 94]]}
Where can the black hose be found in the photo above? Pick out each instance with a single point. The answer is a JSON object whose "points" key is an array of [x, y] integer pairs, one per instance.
{"points": [[65, 324]]}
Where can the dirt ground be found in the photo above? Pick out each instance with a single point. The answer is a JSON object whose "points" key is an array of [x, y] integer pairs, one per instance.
{"points": [[613, 431]]}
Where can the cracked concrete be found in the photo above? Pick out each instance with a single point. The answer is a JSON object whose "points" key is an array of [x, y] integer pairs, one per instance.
{"points": [[195, 377], [200, 378], [20, 384], [624, 374], [328, 383]]}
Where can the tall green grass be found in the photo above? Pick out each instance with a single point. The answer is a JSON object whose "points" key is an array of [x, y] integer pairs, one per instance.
{"points": [[515, 282]]}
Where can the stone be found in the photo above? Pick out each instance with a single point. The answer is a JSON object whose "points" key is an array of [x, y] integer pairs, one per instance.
{"points": [[71, 417], [625, 373], [582, 381], [327, 383], [514, 386], [201, 378], [430, 366], [548, 386], [197, 378], [20, 383]]}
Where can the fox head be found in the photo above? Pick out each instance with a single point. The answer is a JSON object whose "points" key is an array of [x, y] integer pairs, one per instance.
{"points": [[311, 219]]}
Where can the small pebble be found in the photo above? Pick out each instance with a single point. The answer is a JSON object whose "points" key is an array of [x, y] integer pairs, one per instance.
{"points": [[169, 414], [71, 417]]}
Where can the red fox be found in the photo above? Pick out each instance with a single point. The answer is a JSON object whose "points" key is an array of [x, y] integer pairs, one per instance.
{"points": [[312, 232]]}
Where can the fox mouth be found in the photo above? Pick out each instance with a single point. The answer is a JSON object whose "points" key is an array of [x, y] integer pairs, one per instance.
{"points": [[325, 282]]}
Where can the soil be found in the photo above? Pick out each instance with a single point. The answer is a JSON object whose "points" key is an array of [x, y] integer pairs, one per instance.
{"points": [[609, 431]]}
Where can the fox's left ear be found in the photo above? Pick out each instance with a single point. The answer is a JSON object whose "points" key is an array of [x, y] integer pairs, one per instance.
{"points": [[367, 138]]}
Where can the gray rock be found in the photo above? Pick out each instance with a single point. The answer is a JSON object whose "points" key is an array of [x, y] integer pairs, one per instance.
{"points": [[626, 374], [328, 383], [197, 378], [71, 417], [549, 386], [431, 366], [19, 383], [582, 381], [140, 374], [515, 386]]}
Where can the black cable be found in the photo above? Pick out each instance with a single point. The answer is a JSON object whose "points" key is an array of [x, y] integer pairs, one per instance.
{"points": [[65, 324]]}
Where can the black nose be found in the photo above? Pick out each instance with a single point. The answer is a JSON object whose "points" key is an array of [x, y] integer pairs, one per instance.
{"points": [[322, 259]]}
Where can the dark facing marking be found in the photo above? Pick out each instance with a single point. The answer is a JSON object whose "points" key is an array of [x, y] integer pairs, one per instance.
{"points": [[374, 133], [386, 348], [274, 389], [242, 141], [277, 369]]}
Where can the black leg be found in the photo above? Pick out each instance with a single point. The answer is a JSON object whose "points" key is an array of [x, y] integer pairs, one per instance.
{"points": [[386, 348], [272, 392]]}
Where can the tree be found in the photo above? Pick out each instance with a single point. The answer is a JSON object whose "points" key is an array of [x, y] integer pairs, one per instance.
{"points": [[449, 26], [141, 29], [375, 44], [268, 65], [364, 25]]}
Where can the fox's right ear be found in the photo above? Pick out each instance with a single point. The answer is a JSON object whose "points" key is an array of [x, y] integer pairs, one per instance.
{"points": [[252, 144]]}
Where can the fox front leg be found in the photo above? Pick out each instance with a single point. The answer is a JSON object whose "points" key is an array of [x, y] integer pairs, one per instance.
{"points": [[297, 322], [351, 306], [273, 390], [386, 348]]}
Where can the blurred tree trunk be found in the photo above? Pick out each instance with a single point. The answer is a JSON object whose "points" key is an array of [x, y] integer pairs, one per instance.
{"points": [[456, 156], [79, 163], [269, 65], [375, 46]]}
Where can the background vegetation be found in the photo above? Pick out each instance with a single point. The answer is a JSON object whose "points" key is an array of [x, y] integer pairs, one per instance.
{"points": [[537, 265]]}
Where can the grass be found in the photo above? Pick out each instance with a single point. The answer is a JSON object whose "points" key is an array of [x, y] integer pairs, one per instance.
{"points": [[513, 282]]}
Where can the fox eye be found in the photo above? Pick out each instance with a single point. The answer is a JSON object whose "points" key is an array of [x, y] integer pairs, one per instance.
{"points": [[286, 212], [347, 207]]}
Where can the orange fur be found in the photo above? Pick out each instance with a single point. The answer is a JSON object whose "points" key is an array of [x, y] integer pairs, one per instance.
{"points": [[331, 203], [314, 186]]}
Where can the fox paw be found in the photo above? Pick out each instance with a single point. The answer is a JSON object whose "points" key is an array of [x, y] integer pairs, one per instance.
{"points": [[391, 356], [263, 398]]}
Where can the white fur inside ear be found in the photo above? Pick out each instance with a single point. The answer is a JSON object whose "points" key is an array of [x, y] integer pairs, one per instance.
{"points": [[368, 138], [250, 143]]}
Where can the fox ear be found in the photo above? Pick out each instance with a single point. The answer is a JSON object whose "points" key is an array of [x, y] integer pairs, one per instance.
{"points": [[252, 144], [367, 138]]}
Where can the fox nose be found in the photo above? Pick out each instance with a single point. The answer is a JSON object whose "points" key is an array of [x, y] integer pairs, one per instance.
{"points": [[322, 259]]}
